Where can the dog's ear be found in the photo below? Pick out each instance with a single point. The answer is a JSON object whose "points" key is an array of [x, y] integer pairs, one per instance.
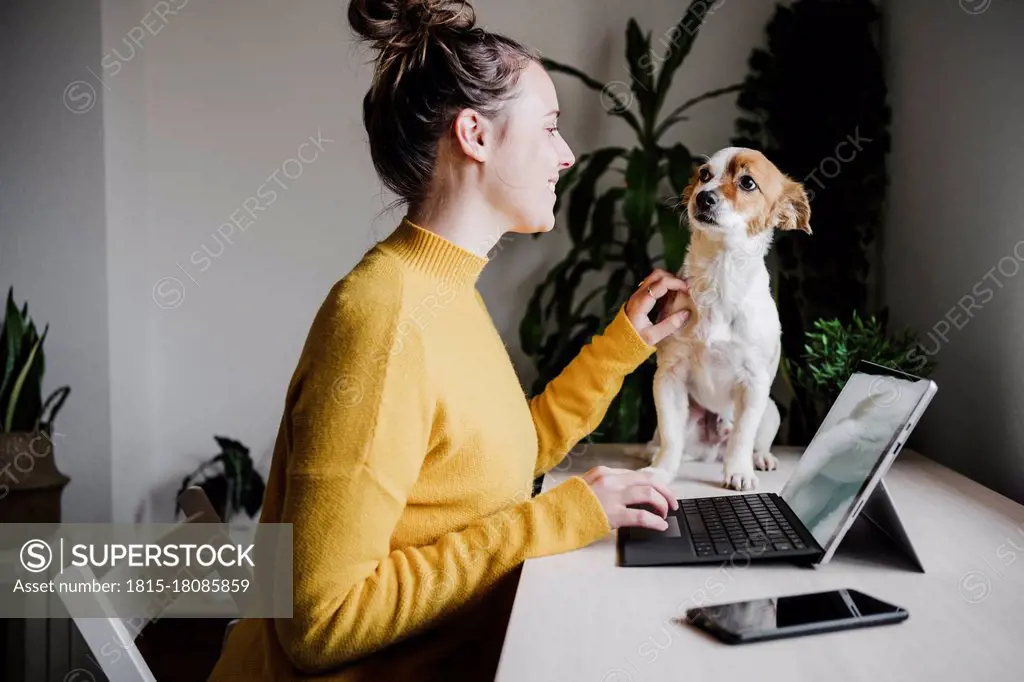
{"points": [[793, 211]]}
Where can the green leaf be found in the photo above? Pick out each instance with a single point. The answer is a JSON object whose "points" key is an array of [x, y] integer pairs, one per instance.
{"points": [[630, 398], [566, 181], [641, 70], [557, 280], [14, 331], [680, 41], [676, 115], [641, 192], [622, 112], [603, 224], [680, 167], [568, 293], [20, 381], [674, 236], [613, 292], [582, 197]]}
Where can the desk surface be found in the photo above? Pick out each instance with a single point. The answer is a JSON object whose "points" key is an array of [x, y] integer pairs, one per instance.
{"points": [[579, 616]]}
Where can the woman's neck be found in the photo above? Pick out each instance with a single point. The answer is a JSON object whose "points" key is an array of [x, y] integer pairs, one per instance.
{"points": [[464, 221]]}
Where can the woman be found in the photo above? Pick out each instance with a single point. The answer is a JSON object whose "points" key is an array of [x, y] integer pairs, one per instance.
{"points": [[406, 452]]}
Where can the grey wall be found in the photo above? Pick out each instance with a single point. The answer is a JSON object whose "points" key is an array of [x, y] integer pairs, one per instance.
{"points": [[52, 244], [955, 225]]}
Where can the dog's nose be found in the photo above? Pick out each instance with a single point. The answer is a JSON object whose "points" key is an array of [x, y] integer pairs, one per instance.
{"points": [[706, 199]]}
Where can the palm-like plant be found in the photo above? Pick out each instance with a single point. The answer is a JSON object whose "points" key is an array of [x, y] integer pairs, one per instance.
{"points": [[614, 233]]}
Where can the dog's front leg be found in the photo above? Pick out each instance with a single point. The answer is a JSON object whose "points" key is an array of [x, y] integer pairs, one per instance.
{"points": [[751, 401], [672, 405]]}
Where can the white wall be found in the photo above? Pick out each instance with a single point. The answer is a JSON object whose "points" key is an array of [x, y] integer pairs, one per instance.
{"points": [[955, 217], [52, 226], [205, 112]]}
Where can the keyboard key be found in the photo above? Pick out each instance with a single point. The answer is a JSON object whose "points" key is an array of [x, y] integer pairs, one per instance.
{"points": [[783, 545], [695, 523], [723, 547]]}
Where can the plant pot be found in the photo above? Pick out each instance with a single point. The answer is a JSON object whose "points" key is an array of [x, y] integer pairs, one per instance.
{"points": [[31, 486]]}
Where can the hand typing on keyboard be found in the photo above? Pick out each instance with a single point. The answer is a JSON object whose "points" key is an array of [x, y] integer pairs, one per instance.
{"points": [[631, 498]]}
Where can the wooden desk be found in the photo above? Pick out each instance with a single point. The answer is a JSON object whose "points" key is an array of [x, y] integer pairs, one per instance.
{"points": [[579, 616]]}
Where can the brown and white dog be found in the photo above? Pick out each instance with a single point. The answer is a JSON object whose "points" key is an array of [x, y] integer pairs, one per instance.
{"points": [[725, 358]]}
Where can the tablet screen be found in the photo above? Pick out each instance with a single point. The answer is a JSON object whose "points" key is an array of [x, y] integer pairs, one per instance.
{"points": [[850, 444]]}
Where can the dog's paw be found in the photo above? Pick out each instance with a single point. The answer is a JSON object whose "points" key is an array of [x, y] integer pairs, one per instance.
{"points": [[739, 477], [765, 461], [658, 474]]}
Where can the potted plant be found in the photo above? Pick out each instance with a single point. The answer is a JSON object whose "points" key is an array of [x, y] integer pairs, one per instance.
{"points": [[229, 480], [623, 231], [30, 483], [832, 351]]}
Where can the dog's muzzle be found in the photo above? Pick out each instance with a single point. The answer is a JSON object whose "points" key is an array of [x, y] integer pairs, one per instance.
{"points": [[706, 202]]}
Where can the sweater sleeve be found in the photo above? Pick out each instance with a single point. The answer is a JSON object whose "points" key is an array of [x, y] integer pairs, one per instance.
{"points": [[359, 431], [574, 403]]}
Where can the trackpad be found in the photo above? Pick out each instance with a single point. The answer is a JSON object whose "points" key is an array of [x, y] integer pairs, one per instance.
{"points": [[650, 534]]}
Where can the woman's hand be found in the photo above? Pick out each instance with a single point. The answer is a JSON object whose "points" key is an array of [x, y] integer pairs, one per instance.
{"points": [[648, 295], [616, 488]]}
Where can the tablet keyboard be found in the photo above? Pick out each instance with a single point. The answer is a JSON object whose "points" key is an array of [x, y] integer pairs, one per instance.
{"points": [[738, 523]]}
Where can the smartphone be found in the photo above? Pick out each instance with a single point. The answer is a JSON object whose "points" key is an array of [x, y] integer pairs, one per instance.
{"points": [[759, 620]]}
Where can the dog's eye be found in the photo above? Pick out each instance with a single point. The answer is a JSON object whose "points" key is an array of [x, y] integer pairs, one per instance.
{"points": [[704, 175], [747, 183]]}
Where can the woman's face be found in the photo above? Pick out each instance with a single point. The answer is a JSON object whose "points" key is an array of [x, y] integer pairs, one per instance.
{"points": [[527, 159]]}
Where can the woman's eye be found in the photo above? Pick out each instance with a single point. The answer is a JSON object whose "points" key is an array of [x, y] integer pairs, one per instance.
{"points": [[704, 175], [747, 183]]}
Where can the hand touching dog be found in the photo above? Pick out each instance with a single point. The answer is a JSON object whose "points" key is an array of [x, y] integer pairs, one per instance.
{"points": [[651, 293]]}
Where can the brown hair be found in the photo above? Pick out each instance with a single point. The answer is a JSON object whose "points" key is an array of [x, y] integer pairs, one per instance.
{"points": [[433, 62]]}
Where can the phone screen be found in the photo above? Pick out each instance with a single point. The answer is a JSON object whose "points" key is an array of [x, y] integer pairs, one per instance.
{"points": [[762, 618]]}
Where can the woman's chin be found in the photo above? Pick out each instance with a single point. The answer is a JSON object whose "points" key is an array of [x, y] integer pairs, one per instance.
{"points": [[536, 227]]}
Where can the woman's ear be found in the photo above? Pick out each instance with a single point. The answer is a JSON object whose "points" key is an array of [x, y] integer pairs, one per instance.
{"points": [[793, 211], [473, 134]]}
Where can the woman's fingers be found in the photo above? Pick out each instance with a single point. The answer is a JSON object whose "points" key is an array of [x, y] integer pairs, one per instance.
{"points": [[662, 488], [653, 289], [644, 519], [667, 326], [616, 489], [642, 479], [660, 281], [646, 495]]}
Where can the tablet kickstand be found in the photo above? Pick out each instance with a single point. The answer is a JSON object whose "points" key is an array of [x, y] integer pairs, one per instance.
{"points": [[879, 516]]}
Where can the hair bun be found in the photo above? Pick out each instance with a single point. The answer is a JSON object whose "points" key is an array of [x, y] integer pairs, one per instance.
{"points": [[402, 25]]}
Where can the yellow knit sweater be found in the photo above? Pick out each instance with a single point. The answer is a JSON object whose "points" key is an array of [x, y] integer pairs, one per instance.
{"points": [[404, 460]]}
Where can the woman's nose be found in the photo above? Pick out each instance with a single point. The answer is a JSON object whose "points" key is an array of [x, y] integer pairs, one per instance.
{"points": [[567, 159]]}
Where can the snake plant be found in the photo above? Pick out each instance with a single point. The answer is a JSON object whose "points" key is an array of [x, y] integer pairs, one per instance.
{"points": [[23, 363]]}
